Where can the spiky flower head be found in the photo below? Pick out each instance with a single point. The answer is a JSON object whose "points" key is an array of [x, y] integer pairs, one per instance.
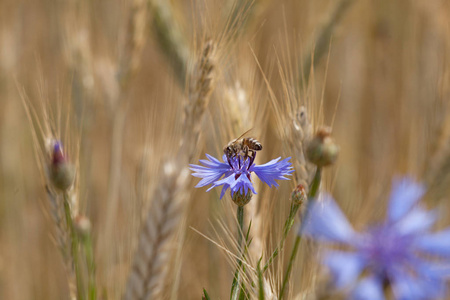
{"points": [[400, 254], [298, 195], [235, 173]]}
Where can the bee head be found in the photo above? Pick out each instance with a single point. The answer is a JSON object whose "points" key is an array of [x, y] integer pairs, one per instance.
{"points": [[228, 150]]}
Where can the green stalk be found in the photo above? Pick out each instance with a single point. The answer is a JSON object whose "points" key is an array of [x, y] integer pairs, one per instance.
{"points": [[312, 193], [236, 286], [261, 295], [73, 246], [287, 227], [90, 262]]}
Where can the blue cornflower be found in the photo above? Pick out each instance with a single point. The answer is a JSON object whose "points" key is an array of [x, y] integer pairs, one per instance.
{"points": [[401, 253], [237, 173]]}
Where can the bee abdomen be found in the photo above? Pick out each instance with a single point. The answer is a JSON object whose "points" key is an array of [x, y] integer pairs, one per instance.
{"points": [[254, 144]]}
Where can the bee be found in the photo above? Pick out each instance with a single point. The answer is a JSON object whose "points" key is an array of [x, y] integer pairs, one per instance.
{"points": [[244, 146]]}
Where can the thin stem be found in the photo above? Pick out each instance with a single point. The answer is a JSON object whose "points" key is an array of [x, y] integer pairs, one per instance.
{"points": [[312, 193], [73, 246], [261, 295], [287, 227], [291, 262], [87, 243], [240, 218], [236, 287]]}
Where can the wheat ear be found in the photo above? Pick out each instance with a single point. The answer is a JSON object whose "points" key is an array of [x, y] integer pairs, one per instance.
{"points": [[62, 239], [152, 258], [298, 136], [199, 95]]}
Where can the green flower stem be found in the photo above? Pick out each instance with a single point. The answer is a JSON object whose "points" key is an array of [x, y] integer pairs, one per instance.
{"points": [[90, 262], [261, 295], [287, 227], [73, 246], [312, 193], [236, 287]]}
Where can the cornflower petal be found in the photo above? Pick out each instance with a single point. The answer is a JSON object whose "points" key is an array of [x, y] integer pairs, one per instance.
{"points": [[405, 194], [369, 288], [208, 175], [273, 170], [432, 270], [240, 184], [406, 287], [416, 221], [436, 243], [235, 173], [325, 221], [345, 267]]}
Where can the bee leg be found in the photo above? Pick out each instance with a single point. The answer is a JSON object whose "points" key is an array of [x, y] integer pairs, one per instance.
{"points": [[246, 152], [252, 157]]}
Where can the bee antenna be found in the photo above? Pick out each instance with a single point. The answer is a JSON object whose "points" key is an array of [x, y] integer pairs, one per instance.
{"points": [[244, 133]]}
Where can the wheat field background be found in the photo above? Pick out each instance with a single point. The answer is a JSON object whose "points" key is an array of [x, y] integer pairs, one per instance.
{"points": [[117, 83]]}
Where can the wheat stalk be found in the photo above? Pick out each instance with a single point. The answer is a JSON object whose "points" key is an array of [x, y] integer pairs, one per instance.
{"points": [[320, 44], [169, 38], [154, 253], [134, 42], [127, 67]]}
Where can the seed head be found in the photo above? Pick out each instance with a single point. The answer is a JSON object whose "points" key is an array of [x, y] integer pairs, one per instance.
{"points": [[322, 150]]}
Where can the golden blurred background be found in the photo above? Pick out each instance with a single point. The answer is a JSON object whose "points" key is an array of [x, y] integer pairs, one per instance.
{"points": [[105, 77]]}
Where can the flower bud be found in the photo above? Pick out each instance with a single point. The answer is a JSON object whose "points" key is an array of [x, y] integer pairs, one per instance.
{"points": [[322, 150], [241, 199], [298, 195], [62, 172], [82, 225]]}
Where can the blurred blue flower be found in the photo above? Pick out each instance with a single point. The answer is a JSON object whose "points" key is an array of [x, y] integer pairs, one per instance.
{"points": [[237, 173], [401, 253]]}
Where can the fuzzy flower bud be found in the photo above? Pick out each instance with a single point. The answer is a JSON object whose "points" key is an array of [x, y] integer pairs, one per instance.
{"points": [[62, 172], [241, 199], [298, 195], [322, 150]]}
